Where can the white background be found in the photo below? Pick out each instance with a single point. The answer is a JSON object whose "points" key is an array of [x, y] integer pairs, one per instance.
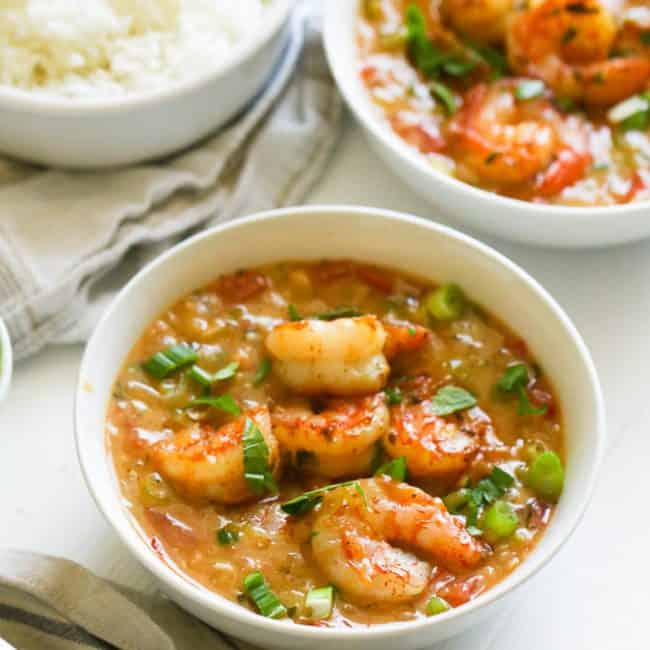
{"points": [[596, 593]]}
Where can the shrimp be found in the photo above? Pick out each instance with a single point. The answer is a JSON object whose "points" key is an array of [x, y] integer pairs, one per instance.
{"points": [[341, 357], [205, 463], [568, 44], [501, 140], [340, 440], [484, 21], [359, 532]]}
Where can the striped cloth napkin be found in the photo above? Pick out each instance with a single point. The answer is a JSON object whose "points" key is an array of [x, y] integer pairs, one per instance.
{"points": [[68, 241], [48, 603]]}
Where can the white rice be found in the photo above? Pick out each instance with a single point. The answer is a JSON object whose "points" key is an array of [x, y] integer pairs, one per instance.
{"points": [[102, 48]]}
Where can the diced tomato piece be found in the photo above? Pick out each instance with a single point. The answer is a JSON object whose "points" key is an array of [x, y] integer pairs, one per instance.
{"points": [[569, 167], [241, 286]]}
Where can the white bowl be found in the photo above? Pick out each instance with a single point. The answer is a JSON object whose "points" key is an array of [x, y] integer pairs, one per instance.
{"points": [[532, 223], [368, 235], [6, 361], [94, 133]]}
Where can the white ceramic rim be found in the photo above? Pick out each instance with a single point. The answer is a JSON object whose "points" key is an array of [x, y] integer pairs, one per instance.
{"points": [[127, 531], [6, 361], [27, 101], [349, 84]]}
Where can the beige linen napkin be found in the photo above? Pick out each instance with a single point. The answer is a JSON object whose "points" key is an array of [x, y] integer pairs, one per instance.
{"points": [[63, 235], [49, 603]]}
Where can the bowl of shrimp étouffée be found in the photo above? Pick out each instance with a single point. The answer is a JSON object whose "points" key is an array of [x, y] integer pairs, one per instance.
{"points": [[336, 425], [527, 120]]}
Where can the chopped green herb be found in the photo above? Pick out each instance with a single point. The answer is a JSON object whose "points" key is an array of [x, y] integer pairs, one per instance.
{"points": [[227, 535], [491, 57], [445, 95], [457, 68], [257, 471], [569, 35], [644, 37], [450, 399], [320, 602], [471, 500], [565, 104], [491, 157], [515, 380], [529, 89], [393, 396], [293, 313], [223, 402], [266, 602], [309, 500], [167, 361], [341, 312], [411, 330], [262, 372], [637, 122], [395, 468]]}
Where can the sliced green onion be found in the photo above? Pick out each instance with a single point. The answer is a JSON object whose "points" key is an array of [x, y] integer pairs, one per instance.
{"points": [[446, 303], [200, 376], [341, 312], [320, 602], [167, 361], [206, 380], [155, 488], [395, 468], [545, 476], [262, 372], [499, 521], [627, 108], [309, 500], [445, 95], [437, 605], [266, 602], [293, 313], [456, 501], [224, 402], [450, 399], [227, 535], [529, 89], [257, 470]]}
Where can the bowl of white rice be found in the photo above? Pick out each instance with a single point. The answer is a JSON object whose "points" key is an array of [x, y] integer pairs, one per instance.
{"points": [[112, 82]]}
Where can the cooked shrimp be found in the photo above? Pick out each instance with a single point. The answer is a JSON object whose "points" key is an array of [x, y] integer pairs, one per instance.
{"points": [[568, 44], [484, 21], [341, 357], [340, 440], [207, 463], [501, 140], [355, 533], [402, 337]]}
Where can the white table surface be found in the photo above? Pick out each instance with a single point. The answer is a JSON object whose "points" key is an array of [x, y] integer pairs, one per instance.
{"points": [[596, 593]]}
